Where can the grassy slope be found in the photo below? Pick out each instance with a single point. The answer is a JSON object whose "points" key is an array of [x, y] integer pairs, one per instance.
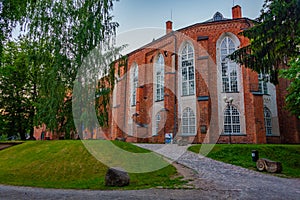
{"points": [[67, 164], [240, 154]]}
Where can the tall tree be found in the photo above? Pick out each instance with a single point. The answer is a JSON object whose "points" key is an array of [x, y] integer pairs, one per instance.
{"points": [[274, 38], [69, 30]]}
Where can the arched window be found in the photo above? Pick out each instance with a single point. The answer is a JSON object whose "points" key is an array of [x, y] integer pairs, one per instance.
{"points": [[187, 70], [160, 76], [134, 79], [231, 120], [268, 121], [188, 122], [229, 71], [157, 123]]}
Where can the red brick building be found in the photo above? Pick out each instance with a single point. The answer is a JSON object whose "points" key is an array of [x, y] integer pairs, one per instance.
{"points": [[183, 83]]}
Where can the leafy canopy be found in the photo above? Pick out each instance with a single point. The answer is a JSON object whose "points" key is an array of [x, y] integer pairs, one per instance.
{"points": [[63, 33], [274, 38], [293, 97]]}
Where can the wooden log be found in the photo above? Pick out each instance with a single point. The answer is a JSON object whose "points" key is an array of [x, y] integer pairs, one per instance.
{"points": [[268, 165], [261, 165]]}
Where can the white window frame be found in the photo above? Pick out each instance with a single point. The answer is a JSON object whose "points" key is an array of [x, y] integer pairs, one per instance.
{"points": [[188, 122], [262, 84], [187, 70], [157, 123], [159, 78], [134, 82], [228, 67], [232, 120], [268, 121]]}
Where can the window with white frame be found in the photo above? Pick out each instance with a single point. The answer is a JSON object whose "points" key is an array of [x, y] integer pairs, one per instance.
{"points": [[232, 120], [157, 123], [187, 70], [229, 68], [188, 122], [134, 79], [262, 83], [160, 75], [268, 121]]}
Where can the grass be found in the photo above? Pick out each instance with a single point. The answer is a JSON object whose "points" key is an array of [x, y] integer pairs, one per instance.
{"points": [[67, 164], [240, 154]]}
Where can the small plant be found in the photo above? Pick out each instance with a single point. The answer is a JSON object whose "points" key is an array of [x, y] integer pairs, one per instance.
{"points": [[3, 137]]}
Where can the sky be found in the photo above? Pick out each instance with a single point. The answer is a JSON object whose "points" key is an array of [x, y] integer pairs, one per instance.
{"points": [[141, 21]]}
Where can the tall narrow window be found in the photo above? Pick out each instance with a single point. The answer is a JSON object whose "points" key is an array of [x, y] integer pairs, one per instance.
{"points": [[188, 122], [268, 121], [229, 71], [262, 83], [134, 79], [157, 123], [187, 70], [231, 120], [160, 75]]}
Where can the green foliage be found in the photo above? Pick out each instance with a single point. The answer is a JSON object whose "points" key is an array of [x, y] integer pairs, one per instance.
{"points": [[18, 79], [70, 30], [62, 35], [240, 154], [12, 12], [274, 38], [67, 164], [293, 98], [3, 137]]}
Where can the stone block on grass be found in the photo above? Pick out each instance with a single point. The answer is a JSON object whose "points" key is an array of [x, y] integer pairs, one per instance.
{"points": [[116, 177]]}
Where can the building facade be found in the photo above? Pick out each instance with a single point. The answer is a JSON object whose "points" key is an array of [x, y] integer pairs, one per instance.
{"points": [[183, 84]]}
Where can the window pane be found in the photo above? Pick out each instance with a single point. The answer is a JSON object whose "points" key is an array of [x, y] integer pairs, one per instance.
{"points": [[231, 120], [236, 128], [224, 45], [224, 52], [184, 88], [184, 74], [229, 71], [185, 129], [192, 121], [224, 70], [159, 77], [185, 121], [268, 121], [188, 122], [192, 130], [191, 88], [191, 73], [187, 71]]}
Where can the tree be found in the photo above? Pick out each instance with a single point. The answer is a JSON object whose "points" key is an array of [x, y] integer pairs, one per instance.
{"points": [[274, 38], [293, 98], [62, 34], [69, 30], [18, 80]]}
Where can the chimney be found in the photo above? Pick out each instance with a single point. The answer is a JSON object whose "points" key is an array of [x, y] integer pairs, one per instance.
{"points": [[236, 12], [169, 28]]}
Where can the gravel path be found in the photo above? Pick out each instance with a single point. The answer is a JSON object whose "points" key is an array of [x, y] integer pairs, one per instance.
{"points": [[213, 179], [243, 183]]}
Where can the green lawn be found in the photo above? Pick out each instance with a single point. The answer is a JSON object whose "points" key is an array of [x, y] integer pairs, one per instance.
{"points": [[240, 154], [67, 164]]}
